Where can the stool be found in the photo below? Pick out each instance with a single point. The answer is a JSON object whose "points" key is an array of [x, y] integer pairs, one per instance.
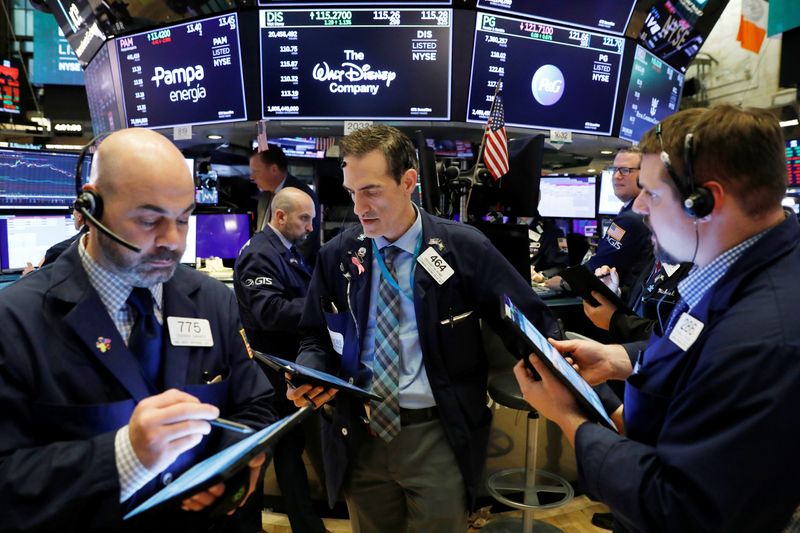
{"points": [[504, 389]]}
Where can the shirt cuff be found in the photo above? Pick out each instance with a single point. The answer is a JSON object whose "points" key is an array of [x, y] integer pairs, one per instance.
{"points": [[132, 474]]}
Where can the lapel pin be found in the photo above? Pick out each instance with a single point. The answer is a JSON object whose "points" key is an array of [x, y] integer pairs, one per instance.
{"points": [[361, 253], [103, 344], [362, 237], [357, 262], [438, 243]]}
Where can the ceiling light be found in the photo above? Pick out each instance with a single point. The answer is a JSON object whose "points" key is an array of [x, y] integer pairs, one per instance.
{"points": [[213, 137], [606, 152], [789, 123]]}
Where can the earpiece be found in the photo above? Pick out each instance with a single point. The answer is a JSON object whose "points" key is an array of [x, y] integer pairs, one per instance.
{"points": [[698, 201], [89, 202]]}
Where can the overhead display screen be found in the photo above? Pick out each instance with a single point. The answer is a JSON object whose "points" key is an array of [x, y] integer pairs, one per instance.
{"points": [[654, 91], [606, 15], [55, 62], [793, 162], [9, 87], [356, 63], [84, 25], [675, 29], [102, 92], [553, 77], [184, 74]]}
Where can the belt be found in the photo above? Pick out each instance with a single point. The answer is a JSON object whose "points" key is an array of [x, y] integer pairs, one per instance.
{"points": [[409, 417]]}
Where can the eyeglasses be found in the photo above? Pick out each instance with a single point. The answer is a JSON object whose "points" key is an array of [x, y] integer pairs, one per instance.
{"points": [[625, 171]]}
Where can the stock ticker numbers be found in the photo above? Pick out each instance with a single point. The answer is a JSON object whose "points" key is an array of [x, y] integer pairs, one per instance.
{"points": [[31, 180], [793, 162], [553, 76], [356, 63], [185, 74]]}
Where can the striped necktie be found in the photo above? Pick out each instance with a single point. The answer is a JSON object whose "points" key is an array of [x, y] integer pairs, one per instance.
{"points": [[385, 415]]}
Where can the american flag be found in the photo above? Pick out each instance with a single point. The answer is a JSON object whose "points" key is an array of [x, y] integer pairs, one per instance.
{"points": [[495, 154]]}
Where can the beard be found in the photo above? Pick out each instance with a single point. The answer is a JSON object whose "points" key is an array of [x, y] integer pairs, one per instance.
{"points": [[663, 255], [660, 254], [298, 239], [135, 268]]}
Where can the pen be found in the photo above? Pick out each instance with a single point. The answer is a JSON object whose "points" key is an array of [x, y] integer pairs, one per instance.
{"points": [[229, 424]]}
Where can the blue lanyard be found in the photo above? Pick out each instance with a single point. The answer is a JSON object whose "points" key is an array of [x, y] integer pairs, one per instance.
{"points": [[388, 276]]}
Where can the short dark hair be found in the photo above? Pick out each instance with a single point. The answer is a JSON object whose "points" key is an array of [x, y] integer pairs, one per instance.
{"points": [[273, 156], [743, 149], [395, 145]]}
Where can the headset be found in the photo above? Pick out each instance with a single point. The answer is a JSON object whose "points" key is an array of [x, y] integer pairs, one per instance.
{"points": [[698, 201], [90, 204]]}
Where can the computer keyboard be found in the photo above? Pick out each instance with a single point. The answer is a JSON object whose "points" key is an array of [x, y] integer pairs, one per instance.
{"points": [[546, 292]]}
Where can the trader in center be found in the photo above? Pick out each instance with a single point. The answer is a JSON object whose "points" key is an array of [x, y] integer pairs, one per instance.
{"points": [[395, 307]]}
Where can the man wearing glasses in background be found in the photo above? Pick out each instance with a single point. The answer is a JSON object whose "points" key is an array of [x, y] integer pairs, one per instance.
{"points": [[626, 245]]}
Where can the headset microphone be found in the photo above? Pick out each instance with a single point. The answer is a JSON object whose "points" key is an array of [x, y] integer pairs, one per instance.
{"points": [[90, 204]]}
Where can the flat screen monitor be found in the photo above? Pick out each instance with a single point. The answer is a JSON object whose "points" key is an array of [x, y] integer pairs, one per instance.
{"points": [[25, 239], [675, 30], [585, 227], [605, 15], [222, 235], [184, 74], [38, 180], [608, 203], [793, 162], [553, 77], [189, 256], [103, 91], [56, 62], [9, 87], [457, 148], [304, 147], [387, 64], [567, 196], [654, 92], [512, 241]]}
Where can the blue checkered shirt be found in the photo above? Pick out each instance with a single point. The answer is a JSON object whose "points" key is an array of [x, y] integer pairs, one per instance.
{"points": [[114, 292], [699, 280]]}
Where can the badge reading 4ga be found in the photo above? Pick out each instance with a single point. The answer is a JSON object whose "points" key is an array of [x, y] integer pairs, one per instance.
{"points": [[433, 263], [187, 331]]}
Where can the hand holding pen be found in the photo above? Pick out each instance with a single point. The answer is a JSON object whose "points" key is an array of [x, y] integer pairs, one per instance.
{"points": [[610, 277]]}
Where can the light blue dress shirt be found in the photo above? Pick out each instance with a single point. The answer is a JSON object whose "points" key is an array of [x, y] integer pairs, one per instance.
{"points": [[415, 389]]}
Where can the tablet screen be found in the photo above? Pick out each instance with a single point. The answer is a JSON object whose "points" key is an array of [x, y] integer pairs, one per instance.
{"points": [[316, 376], [558, 363], [217, 464]]}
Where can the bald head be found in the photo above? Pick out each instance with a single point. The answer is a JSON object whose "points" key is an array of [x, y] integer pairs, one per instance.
{"points": [[138, 157], [147, 195], [292, 214]]}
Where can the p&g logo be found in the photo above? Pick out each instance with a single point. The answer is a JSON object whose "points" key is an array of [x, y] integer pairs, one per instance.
{"points": [[547, 85]]}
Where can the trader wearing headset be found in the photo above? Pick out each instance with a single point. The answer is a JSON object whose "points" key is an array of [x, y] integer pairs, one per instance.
{"points": [[711, 404], [104, 398]]}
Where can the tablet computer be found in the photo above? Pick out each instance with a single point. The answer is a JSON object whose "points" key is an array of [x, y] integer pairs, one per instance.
{"points": [[221, 466], [586, 397], [303, 374], [582, 282]]}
